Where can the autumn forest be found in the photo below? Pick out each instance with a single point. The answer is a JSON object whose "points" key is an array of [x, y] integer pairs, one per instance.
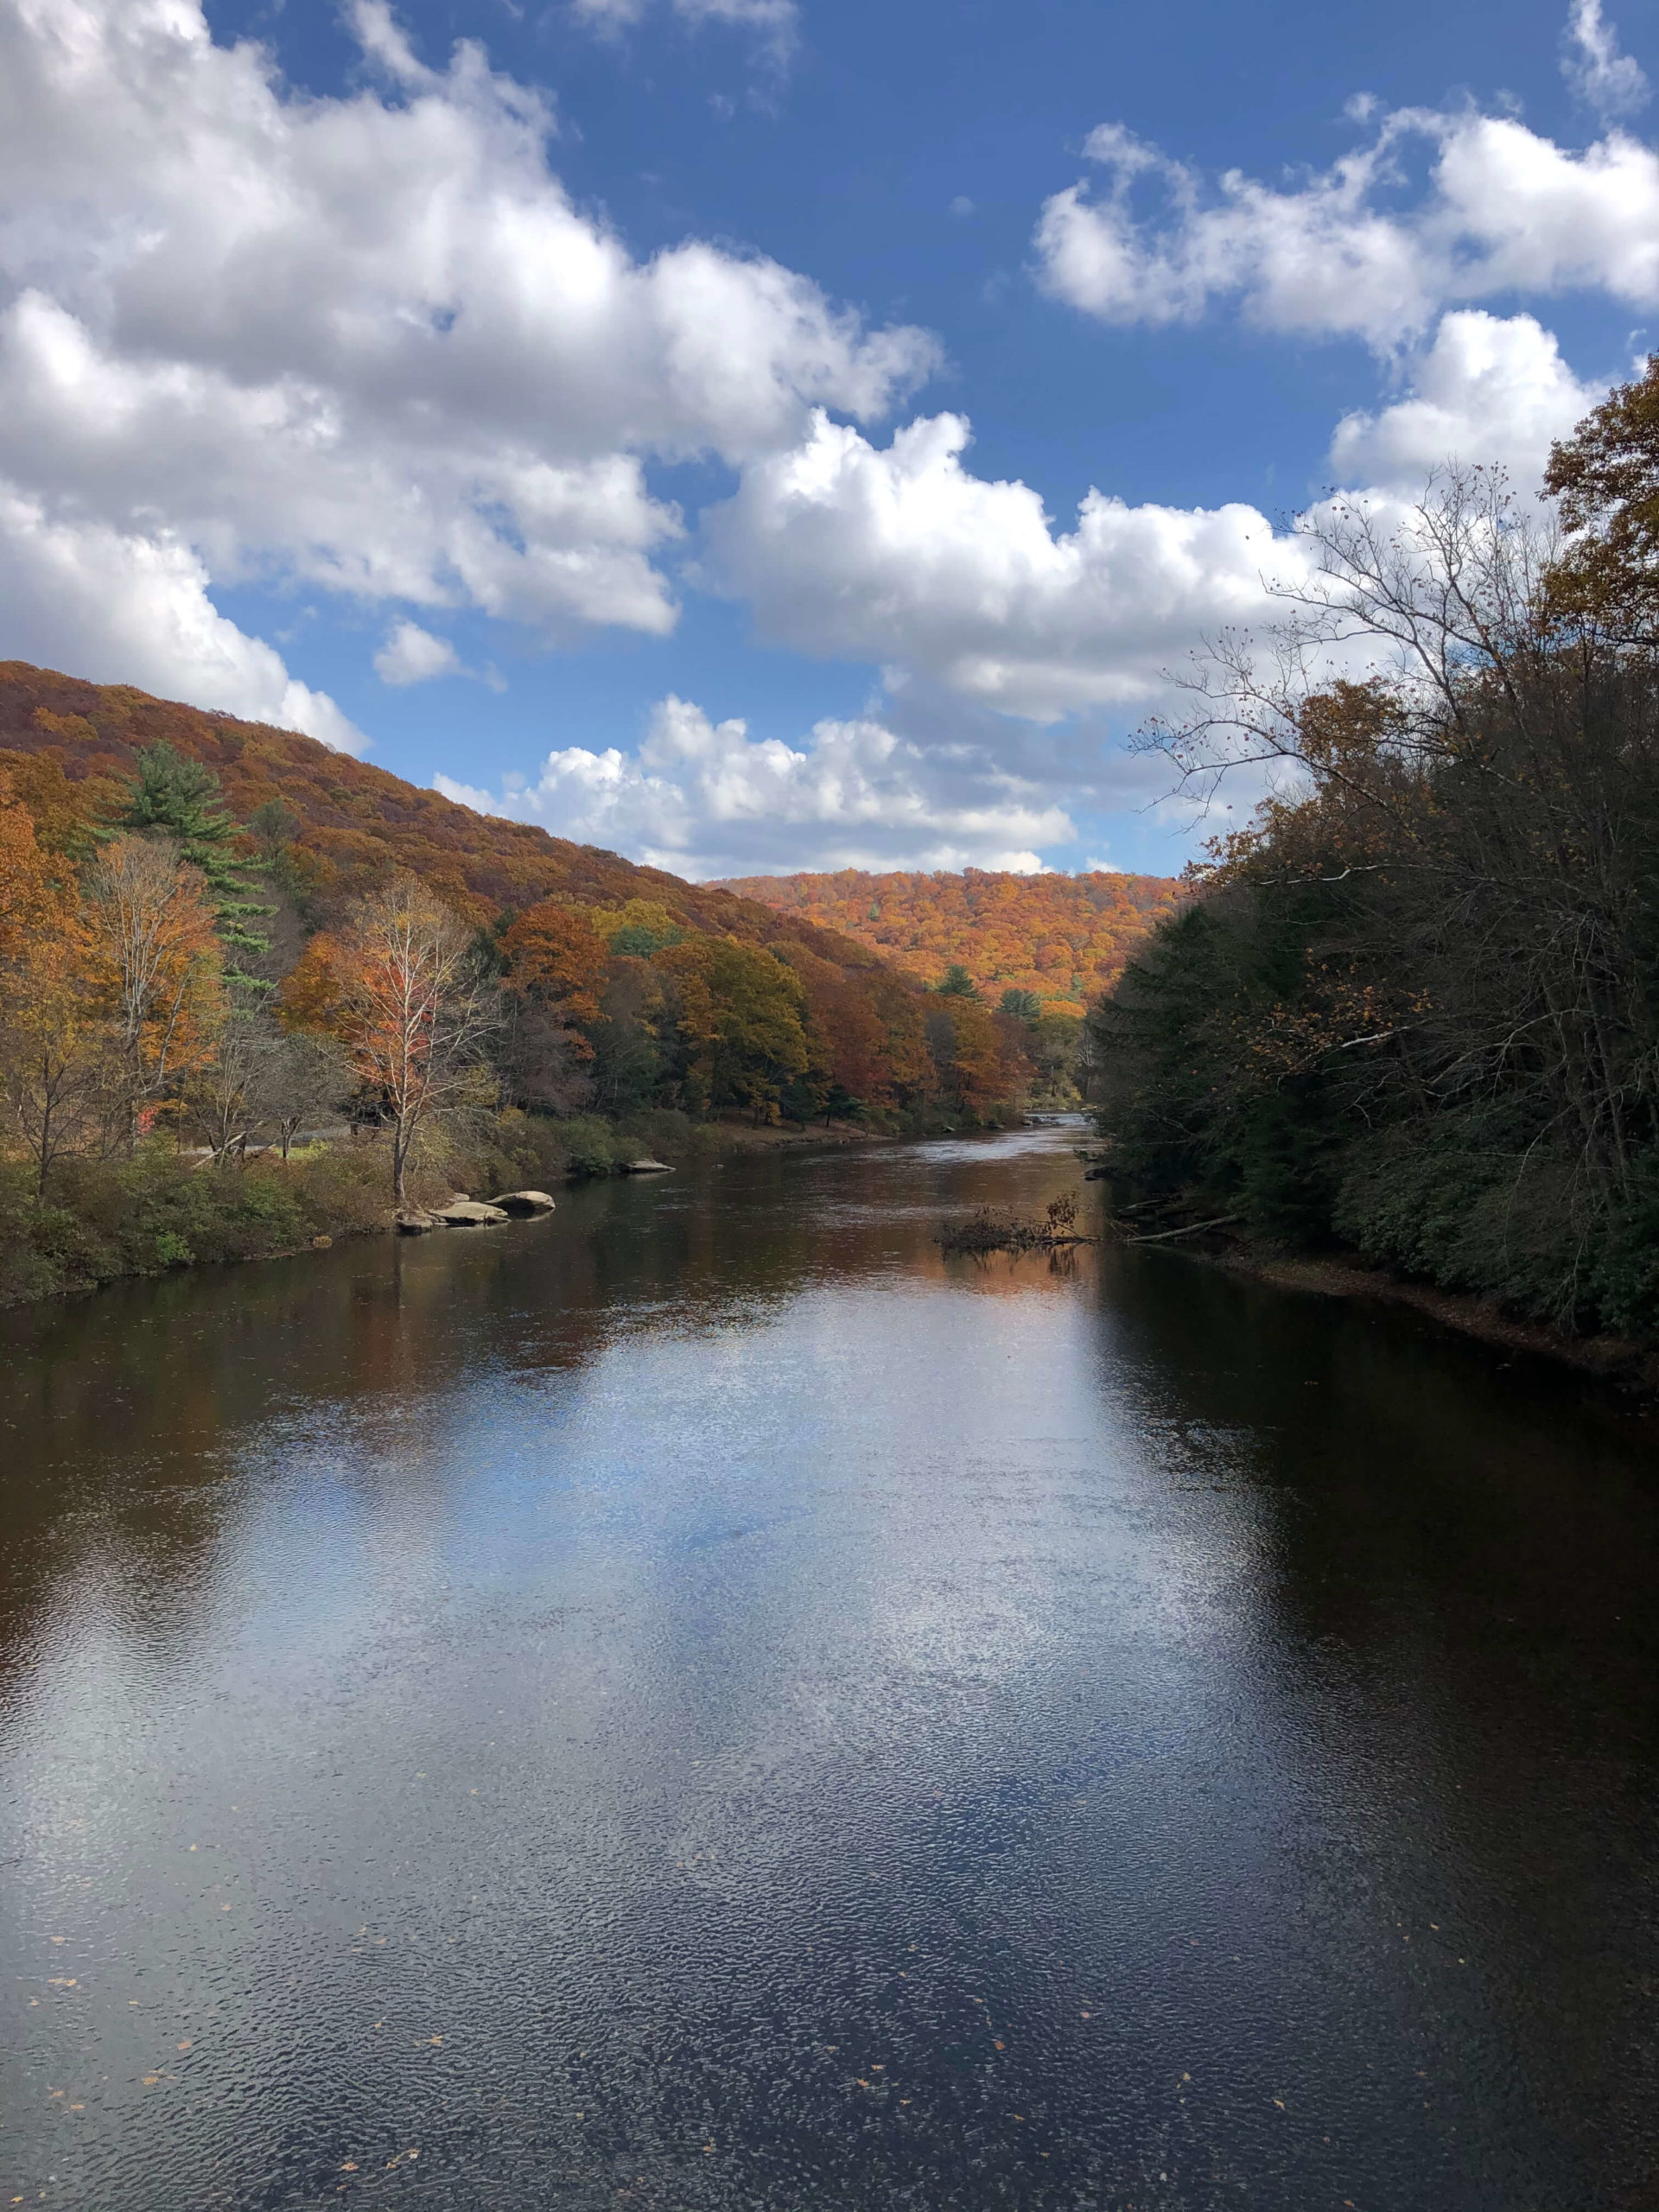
{"points": [[254, 992], [1059, 939]]}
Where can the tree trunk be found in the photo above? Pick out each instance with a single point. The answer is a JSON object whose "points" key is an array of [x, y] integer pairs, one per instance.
{"points": [[45, 1134]]}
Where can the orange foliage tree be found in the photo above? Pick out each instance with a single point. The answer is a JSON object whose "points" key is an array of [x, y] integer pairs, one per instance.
{"points": [[974, 1059], [844, 1034], [54, 1059], [556, 955], [29, 900]]}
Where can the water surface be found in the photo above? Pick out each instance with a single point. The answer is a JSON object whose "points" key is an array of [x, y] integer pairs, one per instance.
{"points": [[702, 1704]]}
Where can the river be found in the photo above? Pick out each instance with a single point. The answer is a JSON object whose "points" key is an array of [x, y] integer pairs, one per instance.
{"points": [[701, 1703]]}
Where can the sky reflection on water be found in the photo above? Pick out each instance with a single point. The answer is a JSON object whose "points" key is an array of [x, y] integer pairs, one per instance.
{"points": [[703, 1703]]}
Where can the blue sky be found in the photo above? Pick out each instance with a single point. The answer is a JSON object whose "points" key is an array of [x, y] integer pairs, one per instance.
{"points": [[668, 420]]}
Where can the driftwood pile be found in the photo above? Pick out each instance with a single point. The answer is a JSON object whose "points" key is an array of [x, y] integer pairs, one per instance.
{"points": [[986, 1230]]}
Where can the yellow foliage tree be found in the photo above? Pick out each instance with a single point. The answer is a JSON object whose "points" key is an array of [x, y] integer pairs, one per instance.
{"points": [[736, 1015]]}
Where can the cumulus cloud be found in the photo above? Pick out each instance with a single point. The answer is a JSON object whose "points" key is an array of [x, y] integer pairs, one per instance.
{"points": [[899, 554], [118, 607], [1490, 390], [367, 343], [1610, 82], [704, 798], [411, 655], [1500, 208]]}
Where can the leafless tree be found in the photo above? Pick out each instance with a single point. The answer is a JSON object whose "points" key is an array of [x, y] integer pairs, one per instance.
{"points": [[415, 1013]]}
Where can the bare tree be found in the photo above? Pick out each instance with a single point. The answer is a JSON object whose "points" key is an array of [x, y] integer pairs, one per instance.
{"points": [[265, 1079], [301, 1079], [153, 925], [413, 1012]]}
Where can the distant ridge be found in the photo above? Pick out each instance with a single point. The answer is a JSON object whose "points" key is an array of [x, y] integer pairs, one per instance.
{"points": [[1064, 937]]}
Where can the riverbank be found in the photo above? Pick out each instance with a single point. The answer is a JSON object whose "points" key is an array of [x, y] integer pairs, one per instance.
{"points": [[1631, 1366], [107, 1221]]}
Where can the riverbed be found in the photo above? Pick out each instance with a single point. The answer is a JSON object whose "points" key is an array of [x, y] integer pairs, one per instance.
{"points": [[702, 1703]]}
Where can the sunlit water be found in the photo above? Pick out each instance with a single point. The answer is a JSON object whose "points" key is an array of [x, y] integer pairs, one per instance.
{"points": [[702, 1703]]}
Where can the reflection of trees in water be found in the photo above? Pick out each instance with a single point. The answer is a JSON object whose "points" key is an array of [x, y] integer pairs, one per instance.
{"points": [[1455, 1558], [130, 1408]]}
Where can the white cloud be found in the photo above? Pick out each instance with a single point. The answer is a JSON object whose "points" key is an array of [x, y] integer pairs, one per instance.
{"points": [[1603, 78], [367, 343], [384, 40], [1488, 390], [411, 655], [123, 608], [704, 798], [899, 554], [777, 20], [776, 23], [1501, 209], [968, 590]]}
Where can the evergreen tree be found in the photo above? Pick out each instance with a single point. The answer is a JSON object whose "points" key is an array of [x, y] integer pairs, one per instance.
{"points": [[183, 797]]}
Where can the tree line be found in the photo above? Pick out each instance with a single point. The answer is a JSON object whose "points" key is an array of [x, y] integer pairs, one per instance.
{"points": [[1413, 1009]]}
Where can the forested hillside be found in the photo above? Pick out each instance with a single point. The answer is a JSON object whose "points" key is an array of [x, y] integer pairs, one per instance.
{"points": [[1063, 938], [1414, 1009], [353, 820], [214, 934]]}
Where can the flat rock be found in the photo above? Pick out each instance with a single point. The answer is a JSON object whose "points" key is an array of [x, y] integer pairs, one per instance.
{"points": [[468, 1213], [646, 1167], [415, 1220], [524, 1202]]}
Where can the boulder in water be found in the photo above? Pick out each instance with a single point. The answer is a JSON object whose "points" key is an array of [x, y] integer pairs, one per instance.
{"points": [[524, 1202], [467, 1213], [416, 1220], [646, 1167]]}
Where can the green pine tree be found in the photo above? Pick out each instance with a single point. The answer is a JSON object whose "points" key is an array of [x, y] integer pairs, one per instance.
{"points": [[183, 797]]}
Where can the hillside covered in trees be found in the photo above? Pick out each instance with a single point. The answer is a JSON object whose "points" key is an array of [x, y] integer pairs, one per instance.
{"points": [[1413, 1011], [1062, 938], [213, 935]]}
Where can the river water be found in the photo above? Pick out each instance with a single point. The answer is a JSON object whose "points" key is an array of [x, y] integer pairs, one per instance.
{"points": [[702, 1704]]}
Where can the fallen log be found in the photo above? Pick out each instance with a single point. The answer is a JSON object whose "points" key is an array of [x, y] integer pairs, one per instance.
{"points": [[1191, 1229]]}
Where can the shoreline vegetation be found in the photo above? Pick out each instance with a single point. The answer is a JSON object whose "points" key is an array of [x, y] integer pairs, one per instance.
{"points": [[1402, 1039], [162, 1209]]}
